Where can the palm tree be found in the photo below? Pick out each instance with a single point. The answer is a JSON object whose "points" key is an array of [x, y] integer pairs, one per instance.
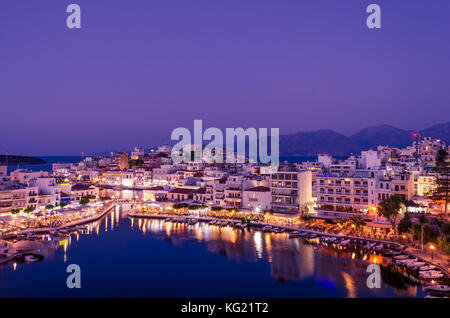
{"points": [[357, 223]]}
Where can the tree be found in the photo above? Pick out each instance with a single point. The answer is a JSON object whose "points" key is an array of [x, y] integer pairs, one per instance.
{"points": [[135, 162], [49, 206], [405, 224], [180, 206], [390, 209], [85, 200], [441, 193], [28, 210], [358, 223], [216, 208], [63, 204], [162, 155], [445, 228], [15, 211], [428, 234]]}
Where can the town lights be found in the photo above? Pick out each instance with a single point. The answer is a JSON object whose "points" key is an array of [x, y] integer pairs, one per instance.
{"points": [[432, 247]]}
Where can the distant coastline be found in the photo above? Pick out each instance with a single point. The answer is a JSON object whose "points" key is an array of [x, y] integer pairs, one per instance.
{"points": [[21, 160]]}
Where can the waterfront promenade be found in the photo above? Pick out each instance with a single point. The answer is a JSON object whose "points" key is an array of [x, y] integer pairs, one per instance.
{"points": [[91, 218]]}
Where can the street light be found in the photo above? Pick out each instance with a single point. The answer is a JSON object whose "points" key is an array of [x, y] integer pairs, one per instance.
{"points": [[432, 247]]}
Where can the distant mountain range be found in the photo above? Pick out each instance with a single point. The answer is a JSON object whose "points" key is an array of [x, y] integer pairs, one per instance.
{"points": [[336, 144]]}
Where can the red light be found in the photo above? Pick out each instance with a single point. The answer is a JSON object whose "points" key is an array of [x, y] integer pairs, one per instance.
{"points": [[415, 134]]}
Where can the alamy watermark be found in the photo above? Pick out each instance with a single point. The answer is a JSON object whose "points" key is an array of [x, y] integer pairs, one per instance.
{"points": [[74, 279], [190, 149], [374, 279], [73, 20]]}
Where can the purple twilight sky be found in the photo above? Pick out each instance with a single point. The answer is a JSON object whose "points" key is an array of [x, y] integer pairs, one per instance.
{"points": [[138, 69]]}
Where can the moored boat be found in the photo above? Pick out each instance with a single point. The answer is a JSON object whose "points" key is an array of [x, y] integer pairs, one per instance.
{"points": [[31, 259], [426, 267], [438, 288], [345, 242], [192, 221], [415, 264], [431, 274]]}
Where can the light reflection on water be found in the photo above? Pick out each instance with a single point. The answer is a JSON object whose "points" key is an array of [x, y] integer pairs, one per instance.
{"points": [[291, 260], [297, 267]]}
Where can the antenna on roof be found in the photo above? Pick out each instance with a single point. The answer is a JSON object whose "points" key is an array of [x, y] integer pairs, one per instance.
{"points": [[416, 136]]}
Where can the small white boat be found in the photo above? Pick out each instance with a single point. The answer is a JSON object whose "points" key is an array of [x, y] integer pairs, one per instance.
{"points": [[415, 264], [192, 221], [30, 259], [403, 256], [378, 247], [438, 288], [168, 220], [406, 261], [426, 267], [345, 242], [431, 274], [370, 246]]}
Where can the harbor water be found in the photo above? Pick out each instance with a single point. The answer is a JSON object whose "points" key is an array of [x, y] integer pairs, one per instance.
{"points": [[123, 257]]}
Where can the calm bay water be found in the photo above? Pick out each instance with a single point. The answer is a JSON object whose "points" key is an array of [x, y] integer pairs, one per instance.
{"points": [[123, 257]]}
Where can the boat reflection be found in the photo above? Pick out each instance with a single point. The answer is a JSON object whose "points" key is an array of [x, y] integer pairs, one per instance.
{"points": [[290, 259]]}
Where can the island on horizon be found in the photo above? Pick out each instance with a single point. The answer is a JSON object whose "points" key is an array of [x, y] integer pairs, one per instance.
{"points": [[21, 160]]}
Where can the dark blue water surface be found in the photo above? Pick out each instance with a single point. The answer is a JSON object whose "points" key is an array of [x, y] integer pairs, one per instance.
{"points": [[121, 257]]}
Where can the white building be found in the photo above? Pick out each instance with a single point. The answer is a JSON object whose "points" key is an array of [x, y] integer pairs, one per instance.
{"points": [[258, 199]]}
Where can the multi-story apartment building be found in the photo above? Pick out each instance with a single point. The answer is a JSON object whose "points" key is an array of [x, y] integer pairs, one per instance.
{"points": [[137, 153], [14, 195], [49, 191], [111, 177], [233, 190], [424, 185], [290, 189], [81, 190], [25, 175], [204, 194], [427, 149], [258, 199], [121, 160], [341, 196]]}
